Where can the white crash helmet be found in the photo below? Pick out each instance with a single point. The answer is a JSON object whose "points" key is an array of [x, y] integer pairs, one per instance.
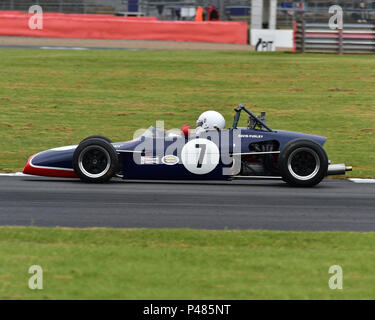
{"points": [[210, 120]]}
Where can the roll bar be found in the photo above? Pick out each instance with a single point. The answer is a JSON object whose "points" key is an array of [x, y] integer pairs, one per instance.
{"points": [[252, 115]]}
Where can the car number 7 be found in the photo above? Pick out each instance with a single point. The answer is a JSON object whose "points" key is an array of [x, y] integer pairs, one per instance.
{"points": [[201, 154]]}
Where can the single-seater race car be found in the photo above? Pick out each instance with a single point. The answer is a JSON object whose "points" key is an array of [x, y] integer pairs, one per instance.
{"points": [[208, 152]]}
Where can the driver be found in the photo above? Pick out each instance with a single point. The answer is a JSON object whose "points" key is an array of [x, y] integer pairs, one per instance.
{"points": [[209, 120]]}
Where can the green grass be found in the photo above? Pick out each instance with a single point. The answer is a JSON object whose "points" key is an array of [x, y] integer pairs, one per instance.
{"points": [[55, 98], [184, 264]]}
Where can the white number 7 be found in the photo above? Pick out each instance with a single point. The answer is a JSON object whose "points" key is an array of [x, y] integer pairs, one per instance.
{"points": [[202, 154]]}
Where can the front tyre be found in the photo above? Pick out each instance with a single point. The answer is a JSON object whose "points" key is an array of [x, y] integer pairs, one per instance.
{"points": [[95, 160], [98, 137], [303, 163]]}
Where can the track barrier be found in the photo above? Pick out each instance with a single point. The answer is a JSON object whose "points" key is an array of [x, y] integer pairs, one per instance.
{"points": [[318, 37], [92, 26]]}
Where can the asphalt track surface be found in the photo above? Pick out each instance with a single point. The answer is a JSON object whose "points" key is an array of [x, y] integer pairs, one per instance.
{"points": [[267, 205], [86, 44]]}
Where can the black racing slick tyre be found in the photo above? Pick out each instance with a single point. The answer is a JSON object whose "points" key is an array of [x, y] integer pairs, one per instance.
{"points": [[98, 137], [95, 160], [303, 163]]}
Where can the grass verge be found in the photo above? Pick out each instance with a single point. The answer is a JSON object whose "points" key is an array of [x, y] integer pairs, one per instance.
{"points": [[184, 264], [55, 98]]}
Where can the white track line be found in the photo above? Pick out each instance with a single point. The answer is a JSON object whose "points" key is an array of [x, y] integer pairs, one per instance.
{"points": [[64, 48], [16, 174], [356, 180], [20, 174]]}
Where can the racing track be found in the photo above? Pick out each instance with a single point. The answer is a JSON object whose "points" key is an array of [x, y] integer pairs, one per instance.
{"points": [[334, 205]]}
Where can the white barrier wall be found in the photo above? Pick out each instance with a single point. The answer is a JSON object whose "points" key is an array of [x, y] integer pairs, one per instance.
{"points": [[281, 38]]}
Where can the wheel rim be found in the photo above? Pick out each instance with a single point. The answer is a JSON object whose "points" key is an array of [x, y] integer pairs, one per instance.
{"points": [[94, 161], [303, 164]]}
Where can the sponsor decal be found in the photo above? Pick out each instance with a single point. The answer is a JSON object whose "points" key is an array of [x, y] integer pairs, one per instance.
{"points": [[170, 160], [149, 160], [253, 136]]}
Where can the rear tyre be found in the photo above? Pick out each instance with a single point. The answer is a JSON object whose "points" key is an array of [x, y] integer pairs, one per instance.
{"points": [[95, 160], [303, 163]]}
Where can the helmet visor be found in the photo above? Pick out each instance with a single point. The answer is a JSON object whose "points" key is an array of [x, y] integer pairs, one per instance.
{"points": [[199, 123]]}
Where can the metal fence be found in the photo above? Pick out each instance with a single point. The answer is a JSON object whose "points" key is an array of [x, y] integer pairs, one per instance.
{"points": [[315, 11], [62, 6], [317, 37]]}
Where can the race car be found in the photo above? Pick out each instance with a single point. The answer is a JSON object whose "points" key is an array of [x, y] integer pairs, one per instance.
{"points": [[208, 152]]}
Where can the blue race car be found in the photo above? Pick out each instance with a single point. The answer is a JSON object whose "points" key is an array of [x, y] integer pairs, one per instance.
{"points": [[210, 152]]}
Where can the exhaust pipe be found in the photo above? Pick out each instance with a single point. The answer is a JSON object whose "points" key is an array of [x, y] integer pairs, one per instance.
{"points": [[338, 169]]}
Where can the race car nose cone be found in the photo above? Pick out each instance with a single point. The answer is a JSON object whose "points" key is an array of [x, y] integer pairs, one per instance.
{"points": [[38, 170], [28, 168]]}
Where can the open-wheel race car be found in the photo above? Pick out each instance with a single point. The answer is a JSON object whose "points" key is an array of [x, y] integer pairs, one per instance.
{"points": [[210, 152]]}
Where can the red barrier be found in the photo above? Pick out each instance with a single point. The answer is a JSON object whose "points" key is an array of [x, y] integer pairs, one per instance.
{"points": [[90, 26]]}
